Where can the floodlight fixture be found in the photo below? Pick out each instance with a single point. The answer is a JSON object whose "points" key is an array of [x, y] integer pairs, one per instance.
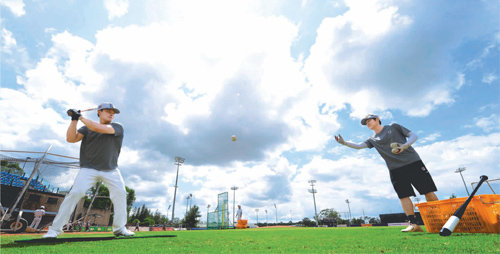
{"points": [[179, 159]]}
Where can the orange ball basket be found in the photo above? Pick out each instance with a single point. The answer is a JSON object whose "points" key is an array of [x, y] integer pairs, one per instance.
{"points": [[481, 216], [241, 224]]}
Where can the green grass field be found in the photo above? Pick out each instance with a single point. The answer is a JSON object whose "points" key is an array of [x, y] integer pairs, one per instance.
{"points": [[269, 240]]}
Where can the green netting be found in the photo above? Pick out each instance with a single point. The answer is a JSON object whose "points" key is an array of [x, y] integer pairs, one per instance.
{"points": [[220, 217]]}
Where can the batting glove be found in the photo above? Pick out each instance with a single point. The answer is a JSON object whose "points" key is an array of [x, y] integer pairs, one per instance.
{"points": [[398, 148], [75, 114]]}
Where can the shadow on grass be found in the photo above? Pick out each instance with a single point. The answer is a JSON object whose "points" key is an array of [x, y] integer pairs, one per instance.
{"points": [[426, 234], [55, 241]]}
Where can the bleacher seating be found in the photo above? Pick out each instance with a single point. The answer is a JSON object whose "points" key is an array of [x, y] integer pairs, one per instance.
{"points": [[17, 181]]}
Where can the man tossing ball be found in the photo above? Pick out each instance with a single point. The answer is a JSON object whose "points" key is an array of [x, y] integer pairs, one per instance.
{"points": [[394, 143]]}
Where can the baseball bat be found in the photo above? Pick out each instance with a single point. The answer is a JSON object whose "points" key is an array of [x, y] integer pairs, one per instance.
{"points": [[89, 109], [452, 222], [84, 110]]}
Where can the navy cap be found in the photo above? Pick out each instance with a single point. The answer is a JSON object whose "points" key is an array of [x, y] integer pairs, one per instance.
{"points": [[108, 105], [369, 116]]}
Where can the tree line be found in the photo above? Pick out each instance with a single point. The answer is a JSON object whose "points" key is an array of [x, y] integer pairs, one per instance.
{"points": [[146, 217], [330, 217]]}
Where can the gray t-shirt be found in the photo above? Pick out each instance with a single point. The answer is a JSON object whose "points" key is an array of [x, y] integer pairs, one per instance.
{"points": [[100, 151], [382, 142]]}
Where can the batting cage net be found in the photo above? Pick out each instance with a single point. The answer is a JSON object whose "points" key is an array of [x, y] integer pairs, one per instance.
{"points": [[219, 219], [53, 172]]}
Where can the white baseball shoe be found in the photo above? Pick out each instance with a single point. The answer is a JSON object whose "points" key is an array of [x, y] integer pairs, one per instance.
{"points": [[123, 232], [413, 228], [51, 234]]}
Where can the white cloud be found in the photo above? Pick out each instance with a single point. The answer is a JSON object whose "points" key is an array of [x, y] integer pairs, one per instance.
{"points": [[30, 120], [429, 138], [14, 56], [488, 124], [476, 153], [364, 55], [116, 8], [489, 78], [8, 41], [15, 6]]}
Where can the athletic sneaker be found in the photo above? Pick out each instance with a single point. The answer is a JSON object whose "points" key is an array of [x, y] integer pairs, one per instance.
{"points": [[51, 234], [123, 232], [413, 228]]}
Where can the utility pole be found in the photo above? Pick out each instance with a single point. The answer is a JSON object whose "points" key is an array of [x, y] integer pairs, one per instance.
{"points": [[234, 188], [460, 170], [178, 162], [313, 191]]}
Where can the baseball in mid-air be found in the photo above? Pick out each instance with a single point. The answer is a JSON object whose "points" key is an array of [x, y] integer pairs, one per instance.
{"points": [[233, 138]]}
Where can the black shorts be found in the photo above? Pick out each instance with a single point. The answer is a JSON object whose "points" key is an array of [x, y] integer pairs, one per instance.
{"points": [[415, 174]]}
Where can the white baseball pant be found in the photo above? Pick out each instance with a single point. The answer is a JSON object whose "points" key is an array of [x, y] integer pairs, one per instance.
{"points": [[36, 222], [85, 179]]}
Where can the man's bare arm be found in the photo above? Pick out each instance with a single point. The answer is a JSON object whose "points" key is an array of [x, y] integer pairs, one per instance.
{"points": [[72, 135], [97, 127]]}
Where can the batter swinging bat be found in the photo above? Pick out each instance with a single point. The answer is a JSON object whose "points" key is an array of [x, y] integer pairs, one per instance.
{"points": [[452, 222]]}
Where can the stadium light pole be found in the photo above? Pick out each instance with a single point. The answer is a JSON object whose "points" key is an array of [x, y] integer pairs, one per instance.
{"points": [[266, 216], [460, 170], [208, 206], [257, 212], [234, 188], [168, 210], [349, 207], [313, 191], [27, 158], [178, 162], [190, 201], [188, 197], [276, 208]]}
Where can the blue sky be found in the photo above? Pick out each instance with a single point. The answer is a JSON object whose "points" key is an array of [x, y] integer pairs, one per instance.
{"points": [[284, 76]]}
